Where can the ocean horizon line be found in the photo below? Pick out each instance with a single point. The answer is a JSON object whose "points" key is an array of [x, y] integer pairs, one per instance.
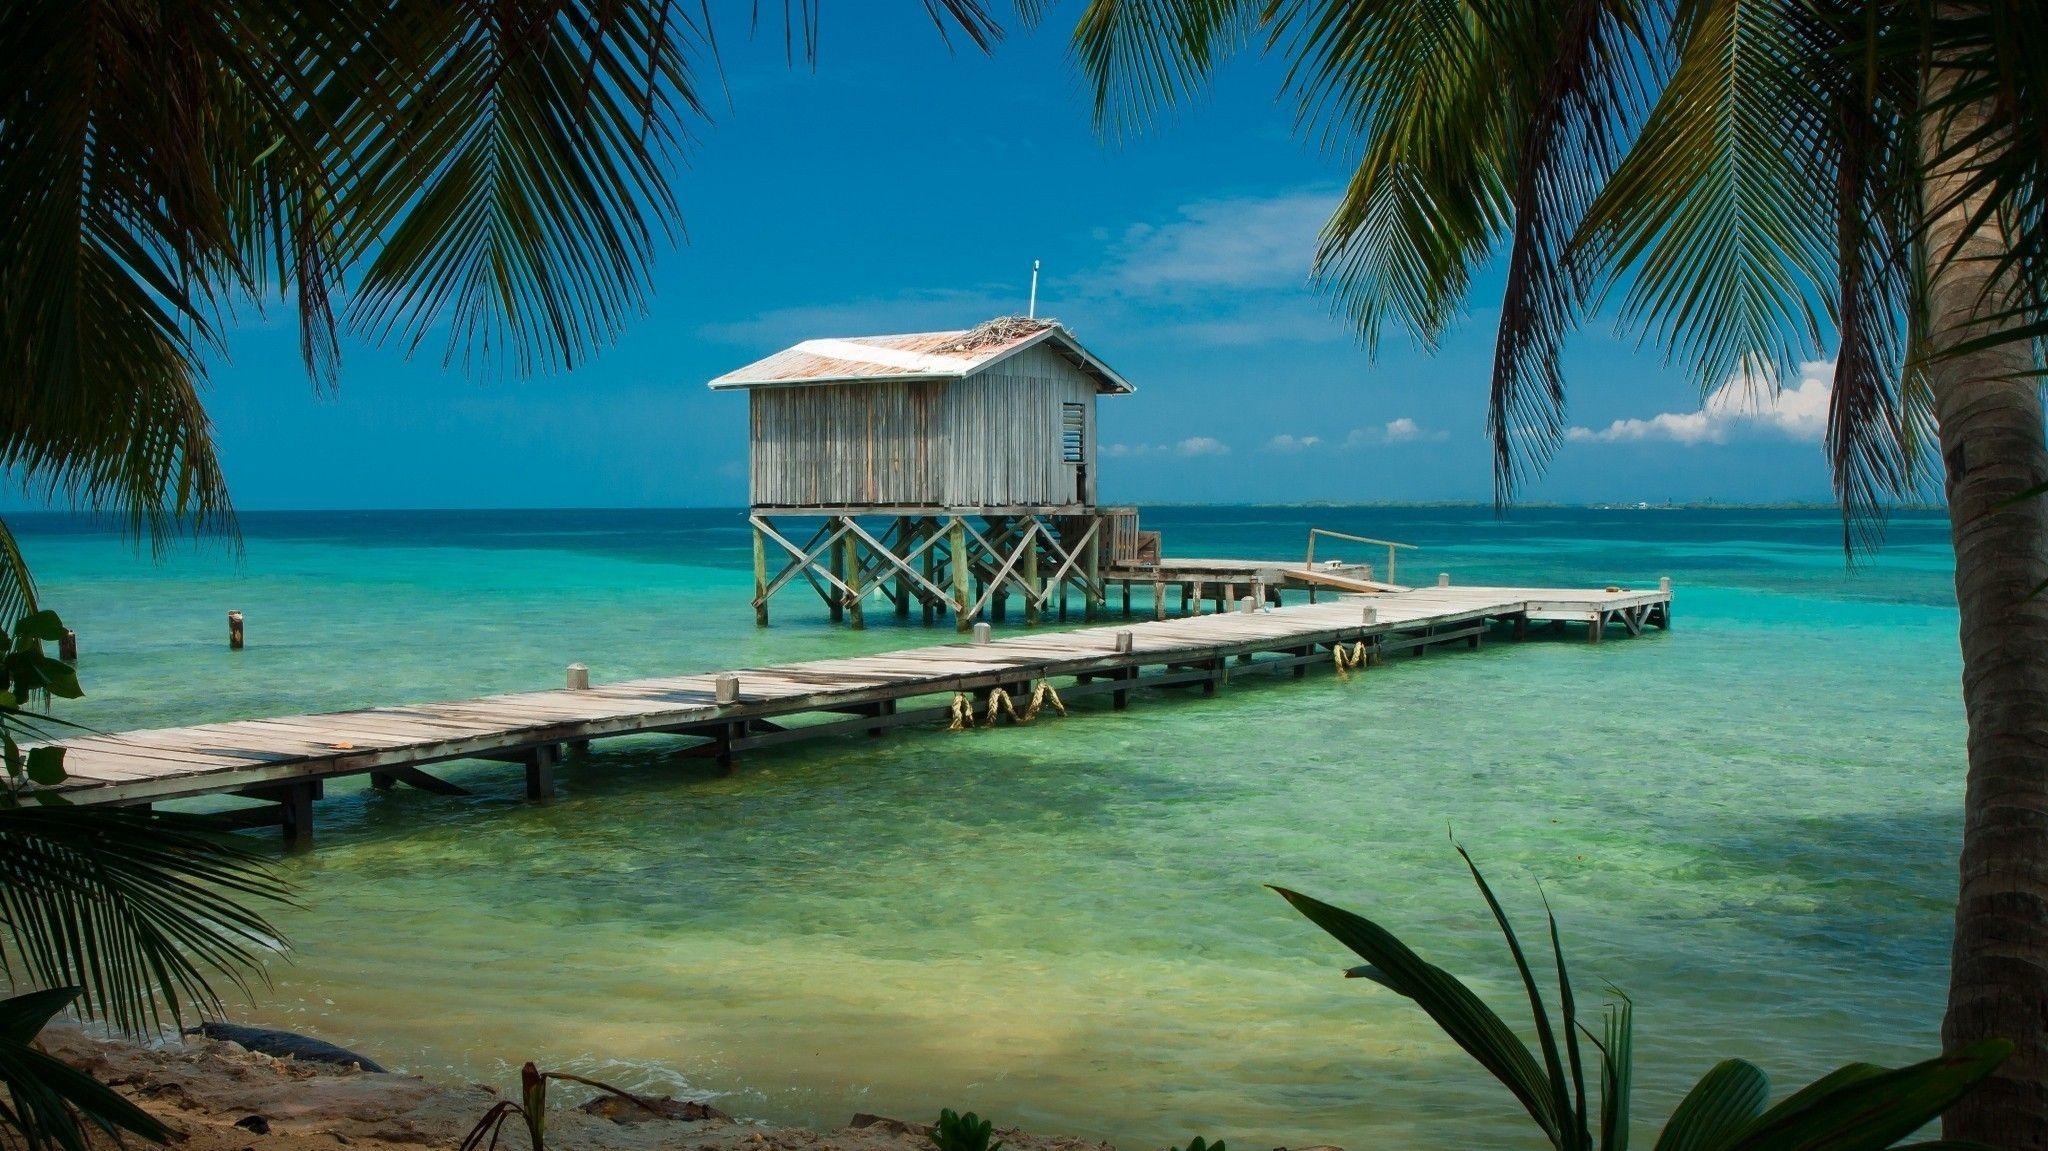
{"points": [[1618, 505]]}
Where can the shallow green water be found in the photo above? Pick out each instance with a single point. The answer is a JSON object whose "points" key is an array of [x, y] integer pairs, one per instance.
{"points": [[1747, 823]]}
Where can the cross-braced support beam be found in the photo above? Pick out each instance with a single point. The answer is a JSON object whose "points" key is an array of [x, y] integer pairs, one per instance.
{"points": [[963, 564]]}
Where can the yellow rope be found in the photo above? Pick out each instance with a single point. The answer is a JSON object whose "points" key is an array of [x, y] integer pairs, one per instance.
{"points": [[1040, 696], [963, 712], [1345, 661], [999, 700]]}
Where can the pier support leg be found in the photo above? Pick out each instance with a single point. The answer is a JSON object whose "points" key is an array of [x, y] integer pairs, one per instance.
{"points": [[1598, 626], [851, 563], [1127, 599], [1120, 699], [297, 824], [540, 771], [1303, 654], [1194, 597], [760, 578], [906, 538], [1158, 597], [1215, 672], [956, 542], [1095, 597], [1030, 565], [383, 781], [1521, 627], [721, 744], [931, 566]]}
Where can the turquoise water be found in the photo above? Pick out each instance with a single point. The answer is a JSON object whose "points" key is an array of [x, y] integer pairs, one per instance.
{"points": [[1748, 824]]}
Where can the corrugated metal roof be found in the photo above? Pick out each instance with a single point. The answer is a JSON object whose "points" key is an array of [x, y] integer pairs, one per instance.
{"points": [[918, 356]]}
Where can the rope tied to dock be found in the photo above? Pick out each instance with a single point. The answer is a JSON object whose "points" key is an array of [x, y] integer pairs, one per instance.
{"points": [[1345, 661], [999, 701], [1040, 696], [963, 712]]}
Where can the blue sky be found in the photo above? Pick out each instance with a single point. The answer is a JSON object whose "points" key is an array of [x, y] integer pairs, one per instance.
{"points": [[901, 188]]}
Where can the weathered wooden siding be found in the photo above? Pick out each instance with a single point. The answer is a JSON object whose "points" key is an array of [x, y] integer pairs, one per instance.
{"points": [[990, 440]]}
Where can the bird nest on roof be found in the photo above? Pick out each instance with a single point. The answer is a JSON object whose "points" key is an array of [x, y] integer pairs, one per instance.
{"points": [[1001, 330]]}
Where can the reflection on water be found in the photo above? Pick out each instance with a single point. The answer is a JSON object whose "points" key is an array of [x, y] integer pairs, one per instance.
{"points": [[1747, 823]]}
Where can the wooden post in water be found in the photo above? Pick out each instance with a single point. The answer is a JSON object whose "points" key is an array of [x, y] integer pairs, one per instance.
{"points": [[1030, 565], [906, 538], [234, 631], [1443, 579], [1095, 597], [1196, 599], [296, 802], [851, 545], [67, 647], [540, 771], [930, 560], [1158, 595], [760, 578], [956, 541]]}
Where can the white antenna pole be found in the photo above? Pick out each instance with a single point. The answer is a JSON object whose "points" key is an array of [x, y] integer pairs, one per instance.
{"points": [[1032, 312]]}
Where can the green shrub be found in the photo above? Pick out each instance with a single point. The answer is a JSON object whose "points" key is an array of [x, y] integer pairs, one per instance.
{"points": [[1859, 1107], [969, 1132]]}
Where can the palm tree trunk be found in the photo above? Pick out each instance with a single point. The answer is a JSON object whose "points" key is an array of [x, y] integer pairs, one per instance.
{"points": [[1988, 412]]}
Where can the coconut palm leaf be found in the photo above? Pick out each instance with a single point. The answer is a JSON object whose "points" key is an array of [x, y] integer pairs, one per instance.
{"points": [[133, 907], [1717, 1109], [46, 1096], [17, 583]]}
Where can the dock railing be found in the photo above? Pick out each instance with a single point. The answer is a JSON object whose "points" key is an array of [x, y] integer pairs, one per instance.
{"points": [[1392, 547]]}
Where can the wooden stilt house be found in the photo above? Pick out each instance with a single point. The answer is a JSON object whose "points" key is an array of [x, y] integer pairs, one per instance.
{"points": [[953, 469]]}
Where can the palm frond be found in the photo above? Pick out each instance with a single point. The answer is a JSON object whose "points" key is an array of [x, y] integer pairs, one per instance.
{"points": [[48, 1097], [1716, 209], [17, 583], [1140, 57], [1421, 85], [134, 907], [1874, 430], [1602, 64]]}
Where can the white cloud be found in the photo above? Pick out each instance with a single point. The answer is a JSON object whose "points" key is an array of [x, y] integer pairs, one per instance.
{"points": [[1201, 446], [1746, 402], [1401, 430], [1290, 443], [1264, 242]]}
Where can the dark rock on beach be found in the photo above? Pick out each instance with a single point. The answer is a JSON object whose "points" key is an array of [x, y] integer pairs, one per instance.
{"points": [[280, 1044], [893, 1126], [620, 1110]]}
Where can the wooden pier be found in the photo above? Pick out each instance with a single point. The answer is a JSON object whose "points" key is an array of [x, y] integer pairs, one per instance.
{"points": [[284, 762]]}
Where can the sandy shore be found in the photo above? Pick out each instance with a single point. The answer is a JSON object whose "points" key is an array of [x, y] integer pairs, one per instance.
{"points": [[224, 1098]]}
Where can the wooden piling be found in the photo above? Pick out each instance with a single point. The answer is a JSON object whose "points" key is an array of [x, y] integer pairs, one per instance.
{"points": [[956, 540], [67, 646], [1094, 598], [760, 578], [234, 631], [540, 771], [906, 538], [930, 560], [1030, 565], [296, 800], [1158, 596], [855, 617]]}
